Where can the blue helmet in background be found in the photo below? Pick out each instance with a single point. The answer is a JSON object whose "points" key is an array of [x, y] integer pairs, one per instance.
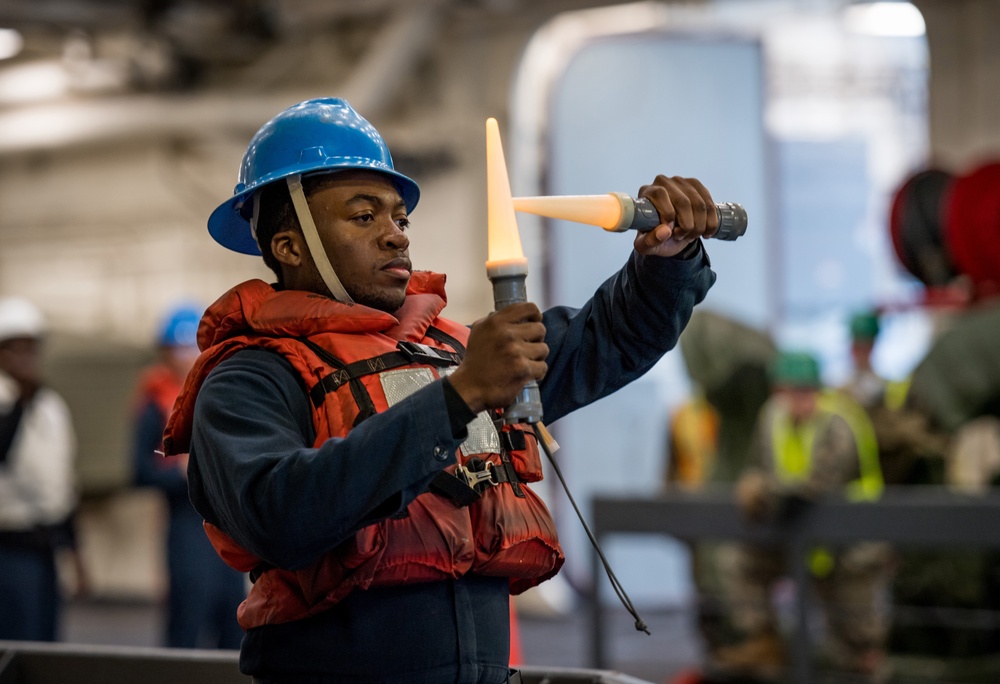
{"points": [[180, 327], [324, 134]]}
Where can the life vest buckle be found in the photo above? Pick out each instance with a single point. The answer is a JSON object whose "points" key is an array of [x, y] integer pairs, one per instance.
{"points": [[466, 485], [477, 474], [423, 353]]}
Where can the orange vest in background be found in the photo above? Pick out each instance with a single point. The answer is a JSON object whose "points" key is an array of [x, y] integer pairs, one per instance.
{"points": [[694, 443]]}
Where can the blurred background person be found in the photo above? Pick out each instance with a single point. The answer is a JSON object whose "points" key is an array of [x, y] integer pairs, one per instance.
{"points": [[708, 439], [864, 384], [954, 397], [808, 444], [37, 480], [203, 592], [692, 442], [728, 363]]}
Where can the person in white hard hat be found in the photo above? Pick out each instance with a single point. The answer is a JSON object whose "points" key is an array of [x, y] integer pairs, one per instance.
{"points": [[37, 484], [203, 592]]}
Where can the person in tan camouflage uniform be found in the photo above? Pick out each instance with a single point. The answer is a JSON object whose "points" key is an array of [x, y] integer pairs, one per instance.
{"points": [[808, 444]]}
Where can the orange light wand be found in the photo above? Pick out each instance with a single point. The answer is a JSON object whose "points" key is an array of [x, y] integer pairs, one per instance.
{"points": [[506, 265], [507, 269], [617, 212]]}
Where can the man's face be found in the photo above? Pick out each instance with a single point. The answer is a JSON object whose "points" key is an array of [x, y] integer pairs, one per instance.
{"points": [[181, 358], [362, 220], [800, 402], [20, 358], [861, 353]]}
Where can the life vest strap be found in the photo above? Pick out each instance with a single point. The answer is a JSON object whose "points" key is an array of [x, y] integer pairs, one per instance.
{"points": [[441, 336], [512, 440], [422, 353], [406, 353], [454, 489], [466, 485]]}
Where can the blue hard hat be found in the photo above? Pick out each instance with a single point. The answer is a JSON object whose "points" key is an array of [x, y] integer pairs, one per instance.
{"points": [[180, 327], [324, 134]]}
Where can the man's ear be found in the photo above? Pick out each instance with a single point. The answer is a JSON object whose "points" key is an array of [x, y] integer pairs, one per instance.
{"points": [[289, 248]]}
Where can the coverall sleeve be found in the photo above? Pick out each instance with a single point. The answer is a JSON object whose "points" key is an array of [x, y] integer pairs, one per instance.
{"points": [[254, 473], [37, 482], [632, 320], [149, 468]]}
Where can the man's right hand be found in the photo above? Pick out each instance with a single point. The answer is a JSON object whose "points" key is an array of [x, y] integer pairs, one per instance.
{"points": [[753, 496], [506, 351]]}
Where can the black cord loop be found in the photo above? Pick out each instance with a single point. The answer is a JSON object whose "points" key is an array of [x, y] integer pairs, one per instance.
{"points": [[640, 624]]}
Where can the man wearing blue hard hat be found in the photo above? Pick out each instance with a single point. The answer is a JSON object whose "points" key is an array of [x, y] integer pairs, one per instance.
{"points": [[346, 442], [203, 593]]}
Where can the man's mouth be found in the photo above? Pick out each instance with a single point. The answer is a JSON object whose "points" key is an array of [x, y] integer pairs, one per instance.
{"points": [[400, 268]]}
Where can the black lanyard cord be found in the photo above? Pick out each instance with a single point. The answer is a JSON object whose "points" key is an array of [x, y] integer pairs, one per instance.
{"points": [[640, 625]]}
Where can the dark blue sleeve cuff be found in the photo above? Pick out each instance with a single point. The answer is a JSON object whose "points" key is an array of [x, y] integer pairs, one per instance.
{"points": [[459, 413]]}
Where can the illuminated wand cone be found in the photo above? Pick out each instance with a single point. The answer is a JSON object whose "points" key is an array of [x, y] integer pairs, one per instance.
{"points": [[505, 255], [506, 265], [605, 211], [617, 212]]}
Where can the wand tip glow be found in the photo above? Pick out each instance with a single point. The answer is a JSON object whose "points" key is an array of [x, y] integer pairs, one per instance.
{"points": [[504, 239], [597, 210]]}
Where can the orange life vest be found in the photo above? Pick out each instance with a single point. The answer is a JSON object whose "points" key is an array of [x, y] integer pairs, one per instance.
{"points": [[158, 384], [345, 354]]}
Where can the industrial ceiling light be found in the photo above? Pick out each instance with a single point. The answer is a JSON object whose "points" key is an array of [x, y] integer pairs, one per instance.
{"points": [[36, 81], [893, 18], [11, 43]]}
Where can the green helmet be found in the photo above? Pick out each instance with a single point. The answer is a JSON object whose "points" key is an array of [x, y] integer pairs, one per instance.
{"points": [[796, 369], [864, 326]]}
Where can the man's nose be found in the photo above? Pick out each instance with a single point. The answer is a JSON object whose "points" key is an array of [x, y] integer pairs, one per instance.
{"points": [[394, 237]]}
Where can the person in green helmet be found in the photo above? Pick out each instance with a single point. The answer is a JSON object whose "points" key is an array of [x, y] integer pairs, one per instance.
{"points": [[809, 443], [864, 384]]}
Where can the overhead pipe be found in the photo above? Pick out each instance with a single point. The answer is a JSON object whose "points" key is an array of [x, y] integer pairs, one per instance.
{"points": [[373, 84]]}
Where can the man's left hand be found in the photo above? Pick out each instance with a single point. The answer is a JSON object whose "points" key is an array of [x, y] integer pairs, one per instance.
{"points": [[687, 211]]}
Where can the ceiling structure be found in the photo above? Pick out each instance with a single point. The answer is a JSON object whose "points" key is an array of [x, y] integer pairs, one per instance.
{"points": [[94, 71]]}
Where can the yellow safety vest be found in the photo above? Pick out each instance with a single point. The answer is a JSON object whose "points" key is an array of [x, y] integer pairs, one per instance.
{"points": [[896, 392], [792, 448]]}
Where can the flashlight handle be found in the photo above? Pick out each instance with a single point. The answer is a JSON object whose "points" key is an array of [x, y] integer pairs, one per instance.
{"points": [[732, 217], [527, 407]]}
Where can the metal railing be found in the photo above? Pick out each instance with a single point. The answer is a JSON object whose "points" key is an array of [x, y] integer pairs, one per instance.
{"points": [[24, 662], [913, 516]]}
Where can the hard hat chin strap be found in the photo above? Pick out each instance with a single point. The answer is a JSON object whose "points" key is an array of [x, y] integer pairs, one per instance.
{"points": [[254, 218], [313, 242]]}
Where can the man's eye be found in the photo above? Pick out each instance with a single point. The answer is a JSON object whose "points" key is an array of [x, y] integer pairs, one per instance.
{"points": [[365, 218], [403, 222]]}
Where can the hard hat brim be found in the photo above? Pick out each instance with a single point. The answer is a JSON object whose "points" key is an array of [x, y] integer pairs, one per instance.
{"points": [[229, 226], [19, 318]]}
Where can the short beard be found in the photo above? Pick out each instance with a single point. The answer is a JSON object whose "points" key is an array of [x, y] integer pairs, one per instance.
{"points": [[389, 303]]}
